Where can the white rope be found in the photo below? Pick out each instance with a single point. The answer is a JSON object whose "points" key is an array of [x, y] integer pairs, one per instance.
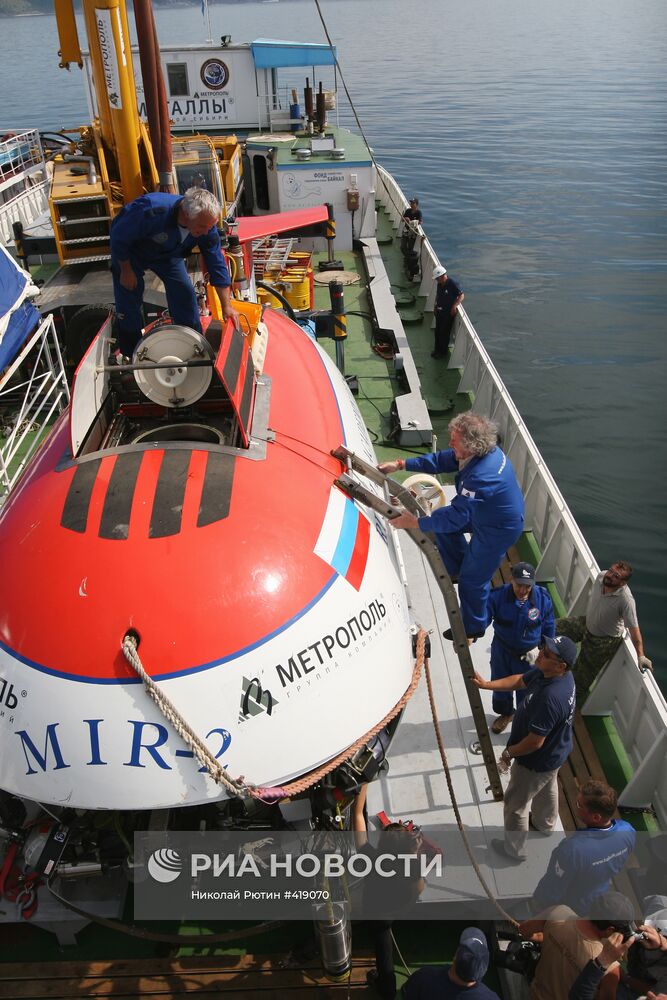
{"points": [[235, 786]]}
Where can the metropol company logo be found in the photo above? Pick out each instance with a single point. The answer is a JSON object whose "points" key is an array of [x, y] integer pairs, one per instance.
{"points": [[165, 865]]}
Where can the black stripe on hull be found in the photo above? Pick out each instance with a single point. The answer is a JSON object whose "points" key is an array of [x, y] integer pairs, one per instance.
{"points": [[217, 491], [169, 494], [77, 502], [232, 367], [115, 521], [246, 397]]}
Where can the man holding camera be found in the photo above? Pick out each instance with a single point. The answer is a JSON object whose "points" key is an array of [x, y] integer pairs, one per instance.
{"points": [[645, 950], [570, 944]]}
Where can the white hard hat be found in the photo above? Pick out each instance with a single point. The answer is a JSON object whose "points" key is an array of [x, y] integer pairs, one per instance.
{"points": [[438, 272]]}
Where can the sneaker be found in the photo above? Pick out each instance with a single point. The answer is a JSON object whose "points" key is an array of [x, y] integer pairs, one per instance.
{"points": [[500, 847], [500, 724], [448, 634], [536, 829]]}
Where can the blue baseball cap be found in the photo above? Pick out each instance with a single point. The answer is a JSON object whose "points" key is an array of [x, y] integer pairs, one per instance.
{"points": [[563, 647], [523, 572], [472, 955]]}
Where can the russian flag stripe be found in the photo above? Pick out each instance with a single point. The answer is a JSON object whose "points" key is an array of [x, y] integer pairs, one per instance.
{"points": [[344, 538], [357, 567]]}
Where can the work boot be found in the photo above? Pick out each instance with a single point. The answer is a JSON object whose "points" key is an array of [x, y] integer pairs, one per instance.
{"points": [[500, 724]]}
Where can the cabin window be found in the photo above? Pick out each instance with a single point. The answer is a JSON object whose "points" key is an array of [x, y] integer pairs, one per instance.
{"points": [[177, 74], [260, 182]]}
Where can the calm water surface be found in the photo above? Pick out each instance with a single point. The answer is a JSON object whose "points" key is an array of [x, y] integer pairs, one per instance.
{"points": [[534, 135]]}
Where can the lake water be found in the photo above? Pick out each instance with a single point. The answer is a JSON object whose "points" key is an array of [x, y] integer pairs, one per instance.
{"points": [[534, 135]]}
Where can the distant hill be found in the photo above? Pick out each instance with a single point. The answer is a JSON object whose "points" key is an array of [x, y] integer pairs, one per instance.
{"points": [[12, 8]]}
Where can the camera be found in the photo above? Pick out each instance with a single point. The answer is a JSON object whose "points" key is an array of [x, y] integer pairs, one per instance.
{"points": [[630, 930]]}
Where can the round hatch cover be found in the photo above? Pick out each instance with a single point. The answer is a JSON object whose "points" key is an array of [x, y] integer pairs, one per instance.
{"points": [[345, 277], [172, 382]]}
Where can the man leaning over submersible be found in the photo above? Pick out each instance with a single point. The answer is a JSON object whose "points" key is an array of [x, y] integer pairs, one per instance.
{"points": [[156, 232]]}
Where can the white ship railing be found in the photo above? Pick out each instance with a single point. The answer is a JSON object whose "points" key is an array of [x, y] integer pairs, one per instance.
{"points": [[24, 182], [36, 380], [26, 207], [632, 698], [19, 152]]}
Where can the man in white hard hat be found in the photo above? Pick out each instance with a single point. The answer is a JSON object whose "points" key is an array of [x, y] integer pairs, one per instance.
{"points": [[448, 297]]}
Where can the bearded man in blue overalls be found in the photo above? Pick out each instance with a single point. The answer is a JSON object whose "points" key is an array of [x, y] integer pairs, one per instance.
{"points": [[488, 505], [522, 616], [157, 232]]}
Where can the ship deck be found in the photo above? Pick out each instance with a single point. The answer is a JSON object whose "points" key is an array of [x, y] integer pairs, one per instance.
{"points": [[415, 786]]}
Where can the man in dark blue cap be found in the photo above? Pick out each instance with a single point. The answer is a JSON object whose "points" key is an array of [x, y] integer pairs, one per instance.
{"points": [[540, 742], [522, 615], [459, 980]]}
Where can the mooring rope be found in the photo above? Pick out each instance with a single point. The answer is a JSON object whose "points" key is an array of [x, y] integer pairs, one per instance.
{"points": [[202, 753], [455, 805], [238, 787]]}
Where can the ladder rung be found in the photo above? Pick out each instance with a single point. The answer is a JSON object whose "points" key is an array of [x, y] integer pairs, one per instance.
{"points": [[64, 221], [86, 239], [87, 260]]}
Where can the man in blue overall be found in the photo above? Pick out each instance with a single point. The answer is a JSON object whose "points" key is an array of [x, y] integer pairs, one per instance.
{"points": [[582, 865], [522, 615], [448, 297], [488, 505], [540, 742], [157, 232]]}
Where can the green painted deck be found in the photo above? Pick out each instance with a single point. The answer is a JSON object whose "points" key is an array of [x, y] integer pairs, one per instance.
{"points": [[378, 383]]}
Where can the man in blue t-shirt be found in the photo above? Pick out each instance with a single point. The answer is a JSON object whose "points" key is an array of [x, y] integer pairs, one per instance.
{"points": [[582, 865], [448, 297], [458, 981], [157, 232], [540, 742], [522, 616]]}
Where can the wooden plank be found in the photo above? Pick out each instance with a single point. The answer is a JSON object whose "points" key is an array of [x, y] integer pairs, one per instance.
{"points": [[588, 751], [504, 572], [136, 966], [513, 555], [578, 763], [564, 811], [568, 784], [240, 985], [155, 966], [213, 992], [242, 976]]}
